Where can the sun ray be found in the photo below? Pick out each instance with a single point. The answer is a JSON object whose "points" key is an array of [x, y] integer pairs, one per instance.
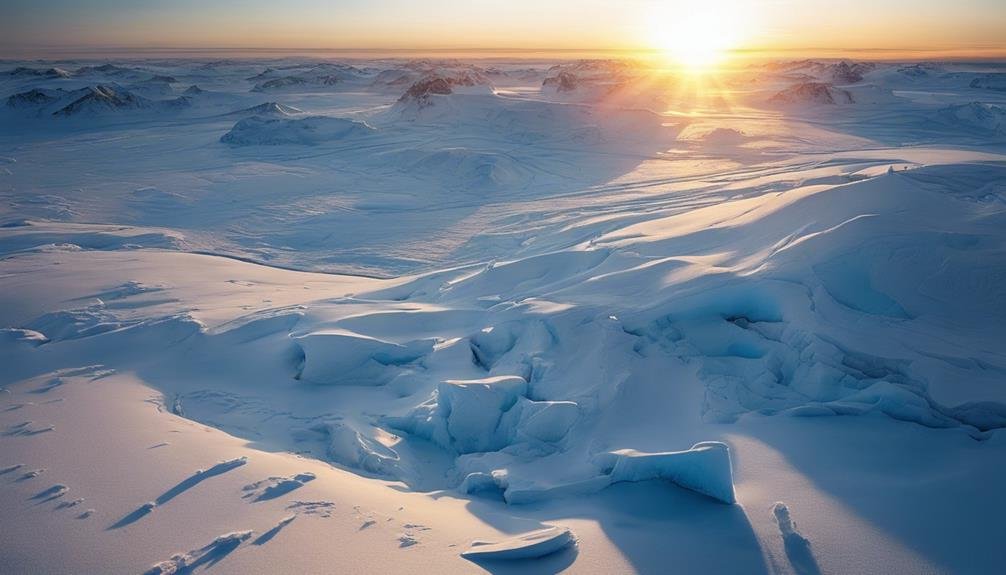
{"points": [[697, 39]]}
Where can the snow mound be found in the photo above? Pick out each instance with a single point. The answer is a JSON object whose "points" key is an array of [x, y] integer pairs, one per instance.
{"points": [[467, 169], [342, 357], [704, 468], [309, 131], [526, 546], [726, 137], [812, 94]]}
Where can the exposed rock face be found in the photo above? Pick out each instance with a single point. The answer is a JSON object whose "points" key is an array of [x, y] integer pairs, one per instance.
{"points": [[563, 82], [590, 79], [849, 73], [921, 70], [813, 93], [279, 83], [422, 90], [841, 73]]}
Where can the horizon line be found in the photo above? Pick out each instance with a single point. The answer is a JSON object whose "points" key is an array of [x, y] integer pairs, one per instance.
{"points": [[126, 51]]}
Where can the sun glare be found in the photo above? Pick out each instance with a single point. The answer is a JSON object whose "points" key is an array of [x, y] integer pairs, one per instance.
{"points": [[696, 40]]}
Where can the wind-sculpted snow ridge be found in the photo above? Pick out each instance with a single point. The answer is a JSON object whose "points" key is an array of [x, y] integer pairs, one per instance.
{"points": [[704, 468], [206, 556], [36, 235], [526, 546], [309, 131]]}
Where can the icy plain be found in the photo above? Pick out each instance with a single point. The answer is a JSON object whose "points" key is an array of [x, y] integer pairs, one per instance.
{"points": [[394, 316]]}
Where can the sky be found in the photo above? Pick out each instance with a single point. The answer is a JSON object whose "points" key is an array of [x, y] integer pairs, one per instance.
{"points": [[37, 27]]}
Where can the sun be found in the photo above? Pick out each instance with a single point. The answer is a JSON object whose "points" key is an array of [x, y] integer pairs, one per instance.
{"points": [[697, 40]]}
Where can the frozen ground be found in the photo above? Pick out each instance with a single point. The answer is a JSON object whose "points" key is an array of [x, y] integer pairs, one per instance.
{"points": [[502, 317]]}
